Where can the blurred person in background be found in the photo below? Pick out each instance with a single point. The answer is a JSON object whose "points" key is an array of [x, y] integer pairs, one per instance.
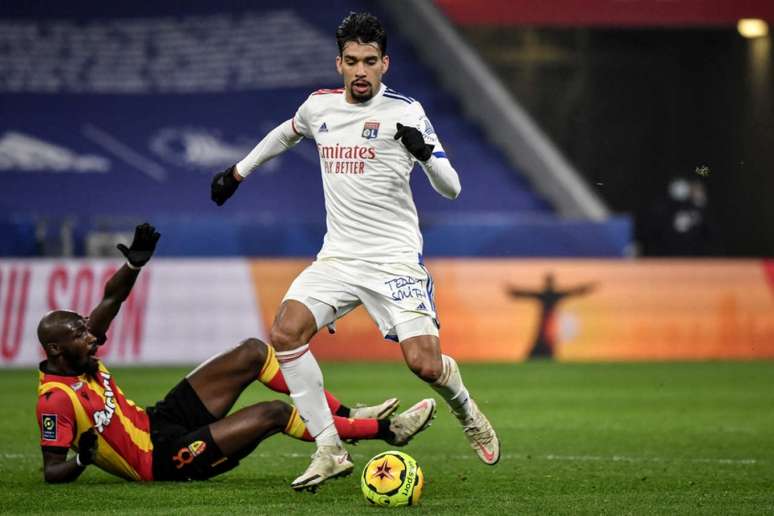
{"points": [[677, 223], [549, 297]]}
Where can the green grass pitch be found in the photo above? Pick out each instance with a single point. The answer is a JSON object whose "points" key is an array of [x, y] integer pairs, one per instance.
{"points": [[688, 438]]}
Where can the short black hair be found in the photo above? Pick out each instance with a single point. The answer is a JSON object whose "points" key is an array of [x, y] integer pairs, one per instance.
{"points": [[361, 27]]}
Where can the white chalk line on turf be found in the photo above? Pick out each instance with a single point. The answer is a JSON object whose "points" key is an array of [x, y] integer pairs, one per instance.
{"points": [[552, 457], [15, 455], [622, 458]]}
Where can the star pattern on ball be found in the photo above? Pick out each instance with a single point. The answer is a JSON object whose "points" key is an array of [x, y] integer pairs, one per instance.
{"points": [[383, 471]]}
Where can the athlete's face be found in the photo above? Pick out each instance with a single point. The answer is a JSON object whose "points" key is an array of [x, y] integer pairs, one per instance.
{"points": [[362, 66], [79, 347]]}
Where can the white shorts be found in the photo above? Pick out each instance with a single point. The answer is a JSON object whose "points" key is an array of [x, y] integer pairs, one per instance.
{"points": [[397, 296]]}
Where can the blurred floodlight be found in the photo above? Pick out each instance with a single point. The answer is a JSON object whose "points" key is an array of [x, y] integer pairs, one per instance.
{"points": [[752, 28]]}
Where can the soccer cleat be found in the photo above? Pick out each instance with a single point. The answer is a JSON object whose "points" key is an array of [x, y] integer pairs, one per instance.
{"points": [[381, 411], [481, 435], [327, 462], [409, 423]]}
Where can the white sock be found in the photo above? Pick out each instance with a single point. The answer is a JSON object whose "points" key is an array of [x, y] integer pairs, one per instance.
{"points": [[305, 382], [451, 388]]}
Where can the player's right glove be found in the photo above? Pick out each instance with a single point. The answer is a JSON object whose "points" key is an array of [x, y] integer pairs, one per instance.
{"points": [[87, 448], [143, 245], [412, 139], [223, 186]]}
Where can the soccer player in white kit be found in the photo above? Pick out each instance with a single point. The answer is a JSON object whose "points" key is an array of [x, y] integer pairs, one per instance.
{"points": [[368, 137]]}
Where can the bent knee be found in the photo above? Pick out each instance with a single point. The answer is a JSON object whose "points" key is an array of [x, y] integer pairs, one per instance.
{"points": [[252, 353], [293, 326], [284, 338], [278, 412], [428, 370]]}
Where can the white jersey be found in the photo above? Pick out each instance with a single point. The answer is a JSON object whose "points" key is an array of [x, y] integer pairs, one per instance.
{"points": [[371, 214]]}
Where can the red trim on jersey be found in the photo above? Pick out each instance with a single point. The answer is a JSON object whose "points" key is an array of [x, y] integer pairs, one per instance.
{"points": [[327, 91]]}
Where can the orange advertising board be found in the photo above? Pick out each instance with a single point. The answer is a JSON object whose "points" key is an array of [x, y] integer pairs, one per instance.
{"points": [[571, 310]]}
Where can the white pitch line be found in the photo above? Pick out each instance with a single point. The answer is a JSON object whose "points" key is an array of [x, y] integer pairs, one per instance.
{"points": [[552, 457], [622, 458]]}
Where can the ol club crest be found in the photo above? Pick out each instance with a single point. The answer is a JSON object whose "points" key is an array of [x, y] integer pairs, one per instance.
{"points": [[370, 130]]}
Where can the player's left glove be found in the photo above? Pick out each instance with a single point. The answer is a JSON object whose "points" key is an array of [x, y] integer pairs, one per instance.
{"points": [[143, 245], [87, 448], [414, 142], [223, 186]]}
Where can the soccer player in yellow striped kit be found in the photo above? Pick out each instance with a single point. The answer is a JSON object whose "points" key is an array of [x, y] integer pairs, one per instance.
{"points": [[190, 433]]}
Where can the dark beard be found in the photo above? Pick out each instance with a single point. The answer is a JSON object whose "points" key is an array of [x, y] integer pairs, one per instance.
{"points": [[361, 98], [90, 367]]}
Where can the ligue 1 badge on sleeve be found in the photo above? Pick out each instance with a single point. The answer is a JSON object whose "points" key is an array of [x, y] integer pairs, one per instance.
{"points": [[48, 422], [370, 130]]}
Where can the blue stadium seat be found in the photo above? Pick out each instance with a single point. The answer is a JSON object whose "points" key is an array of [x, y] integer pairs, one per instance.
{"points": [[130, 109]]}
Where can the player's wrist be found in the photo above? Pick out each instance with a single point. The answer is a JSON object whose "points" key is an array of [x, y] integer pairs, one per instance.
{"points": [[425, 154], [142, 247], [224, 184]]}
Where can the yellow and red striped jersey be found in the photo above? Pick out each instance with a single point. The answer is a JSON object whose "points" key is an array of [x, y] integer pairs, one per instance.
{"points": [[70, 405]]}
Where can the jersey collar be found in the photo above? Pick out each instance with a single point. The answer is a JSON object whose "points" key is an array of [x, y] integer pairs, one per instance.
{"points": [[43, 367]]}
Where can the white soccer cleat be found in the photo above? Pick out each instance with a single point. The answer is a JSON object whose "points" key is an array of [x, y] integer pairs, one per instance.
{"points": [[327, 462], [381, 411], [409, 423], [481, 435]]}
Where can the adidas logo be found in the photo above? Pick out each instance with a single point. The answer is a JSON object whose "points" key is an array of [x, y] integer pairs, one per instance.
{"points": [[421, 306], [323, 128]]}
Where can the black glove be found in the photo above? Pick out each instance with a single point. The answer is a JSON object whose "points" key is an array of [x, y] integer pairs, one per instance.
{"points": [[143, 245], [223, 186], [414, 142], [87, 447]]}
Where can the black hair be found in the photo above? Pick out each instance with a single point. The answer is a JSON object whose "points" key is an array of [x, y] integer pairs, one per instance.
{"points": [[361, 27]]}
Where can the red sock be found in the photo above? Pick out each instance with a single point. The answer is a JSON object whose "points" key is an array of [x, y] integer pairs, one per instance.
{"points": [[348, 428], [271, 377]]}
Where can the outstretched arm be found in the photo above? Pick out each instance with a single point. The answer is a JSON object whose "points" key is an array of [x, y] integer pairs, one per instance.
{"points": [[582, 289], [119, 286], [279, 139], [518, 292]]}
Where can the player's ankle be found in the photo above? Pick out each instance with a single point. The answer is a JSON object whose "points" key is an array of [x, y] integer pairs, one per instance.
{"points": [[328, 437], [384, 433], [464, 411]]}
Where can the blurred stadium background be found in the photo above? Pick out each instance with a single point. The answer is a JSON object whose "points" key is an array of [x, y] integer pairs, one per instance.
{"points": [[615, 157]]}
